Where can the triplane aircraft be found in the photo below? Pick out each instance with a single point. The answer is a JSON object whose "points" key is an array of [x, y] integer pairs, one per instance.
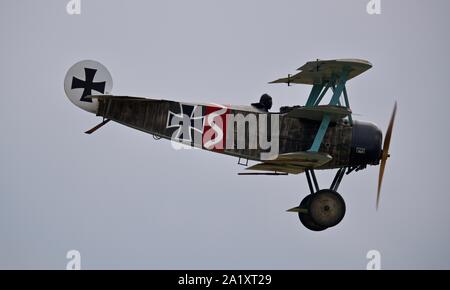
{"points": [[297, 139]]}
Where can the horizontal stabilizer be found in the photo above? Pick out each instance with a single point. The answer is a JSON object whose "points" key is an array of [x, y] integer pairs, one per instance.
{"points": [[105, 97], [323, 71]]}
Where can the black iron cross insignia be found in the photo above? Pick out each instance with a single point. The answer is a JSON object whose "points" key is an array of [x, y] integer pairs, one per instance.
{"points": [[88, 85]]}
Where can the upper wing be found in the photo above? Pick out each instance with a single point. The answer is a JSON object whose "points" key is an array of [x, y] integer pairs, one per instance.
{"points": [[323, 75], [323, 71]]}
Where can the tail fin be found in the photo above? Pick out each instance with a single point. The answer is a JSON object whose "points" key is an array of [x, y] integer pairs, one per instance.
{"points": [[86, 78]]}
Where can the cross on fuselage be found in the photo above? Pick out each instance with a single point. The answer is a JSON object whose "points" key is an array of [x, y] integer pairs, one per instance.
{"points": [[88, 85], [188, 120]]}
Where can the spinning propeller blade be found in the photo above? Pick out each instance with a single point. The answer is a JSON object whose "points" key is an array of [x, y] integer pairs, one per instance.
{"points": [[385, 152]]}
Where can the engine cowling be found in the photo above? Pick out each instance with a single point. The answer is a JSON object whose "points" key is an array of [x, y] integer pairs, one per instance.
{"points": [[366, 143]]}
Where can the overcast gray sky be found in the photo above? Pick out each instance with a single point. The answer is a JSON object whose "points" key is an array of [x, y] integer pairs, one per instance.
{"points": [[127, 201]]}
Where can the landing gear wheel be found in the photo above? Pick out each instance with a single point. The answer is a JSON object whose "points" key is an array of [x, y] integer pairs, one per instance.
{"points": [[305, 219], [326, 208]]}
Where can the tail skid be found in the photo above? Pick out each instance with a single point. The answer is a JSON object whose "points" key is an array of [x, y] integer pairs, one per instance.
{"points": [[93, 129]]}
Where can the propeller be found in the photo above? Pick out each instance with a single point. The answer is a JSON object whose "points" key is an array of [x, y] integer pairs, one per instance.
{"points": [[385, 152]]}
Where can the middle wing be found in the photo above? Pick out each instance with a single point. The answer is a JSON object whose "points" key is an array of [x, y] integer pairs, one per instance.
{"points": [[318, 112]]}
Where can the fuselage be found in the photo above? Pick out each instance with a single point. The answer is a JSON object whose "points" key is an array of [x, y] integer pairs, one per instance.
{"points": [[353, 144]]}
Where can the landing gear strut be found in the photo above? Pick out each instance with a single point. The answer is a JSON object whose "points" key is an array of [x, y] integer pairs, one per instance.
{"points": [[322, 208]]}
